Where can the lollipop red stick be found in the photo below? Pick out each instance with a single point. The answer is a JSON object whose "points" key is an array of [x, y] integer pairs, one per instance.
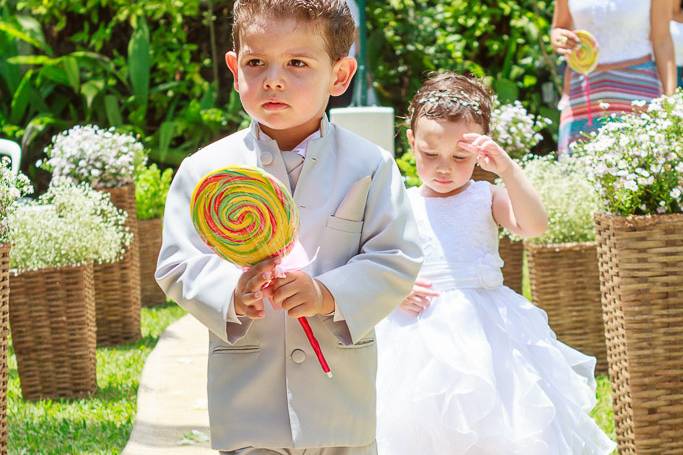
{"points": [[316, 346]]}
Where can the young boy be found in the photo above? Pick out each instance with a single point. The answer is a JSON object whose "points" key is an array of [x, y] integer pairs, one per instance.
{"points": [[267, 393]]}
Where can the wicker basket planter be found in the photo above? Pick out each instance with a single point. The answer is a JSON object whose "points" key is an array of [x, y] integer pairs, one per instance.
{"points": [[150, 244], [4, 331], [512, 253], [480, 174], [52, 315], [117, 285], [565, 283], [641, 282]]}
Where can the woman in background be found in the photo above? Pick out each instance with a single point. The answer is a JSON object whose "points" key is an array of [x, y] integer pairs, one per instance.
{"points": [[677, 35], [636, 60]]}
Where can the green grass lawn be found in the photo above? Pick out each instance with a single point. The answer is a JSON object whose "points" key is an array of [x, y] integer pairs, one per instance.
{"points": [[602, 413], [100, 424]]}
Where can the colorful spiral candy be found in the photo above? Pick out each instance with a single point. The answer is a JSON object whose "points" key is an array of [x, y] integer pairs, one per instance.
{"points": [[584, 58], [244, 214]]}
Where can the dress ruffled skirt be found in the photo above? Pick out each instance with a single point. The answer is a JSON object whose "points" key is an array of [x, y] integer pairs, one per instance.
{"points": [[481, 372]]}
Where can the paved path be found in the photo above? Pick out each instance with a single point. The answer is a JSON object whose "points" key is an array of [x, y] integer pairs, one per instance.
{"points": [[172, 416]]}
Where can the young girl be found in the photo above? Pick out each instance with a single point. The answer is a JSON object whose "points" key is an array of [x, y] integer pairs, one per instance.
{"points": [[466, 365]]}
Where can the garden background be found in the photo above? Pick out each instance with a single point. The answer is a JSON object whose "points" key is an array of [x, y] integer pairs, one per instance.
{"points": [[156, 67]]}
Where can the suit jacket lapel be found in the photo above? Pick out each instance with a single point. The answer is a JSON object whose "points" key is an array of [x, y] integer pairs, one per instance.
{"points": [[311, 186]]}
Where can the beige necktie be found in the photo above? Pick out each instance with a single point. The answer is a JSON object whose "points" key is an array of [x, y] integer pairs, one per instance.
{"points": [[294, 163]]}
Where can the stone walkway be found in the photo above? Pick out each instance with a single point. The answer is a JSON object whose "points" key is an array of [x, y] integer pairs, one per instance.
{"points": [[172, 414]]}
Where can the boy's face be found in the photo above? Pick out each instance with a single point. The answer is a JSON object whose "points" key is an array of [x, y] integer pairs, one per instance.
{"points": [[285, 76], [443, 166]]}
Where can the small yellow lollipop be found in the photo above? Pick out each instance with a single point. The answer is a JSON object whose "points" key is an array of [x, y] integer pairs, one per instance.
{"points": [[584, 58]]}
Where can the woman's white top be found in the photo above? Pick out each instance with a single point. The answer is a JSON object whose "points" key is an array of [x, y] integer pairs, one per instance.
{"points": [[621, 27], [677, 36]]}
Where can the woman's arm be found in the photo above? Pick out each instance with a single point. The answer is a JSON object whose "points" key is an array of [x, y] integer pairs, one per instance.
{"points": [[562, 38], [663, 45], [678, 15]]}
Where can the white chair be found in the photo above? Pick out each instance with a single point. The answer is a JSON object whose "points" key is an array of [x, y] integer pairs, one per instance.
{"points": [[13, 150]]}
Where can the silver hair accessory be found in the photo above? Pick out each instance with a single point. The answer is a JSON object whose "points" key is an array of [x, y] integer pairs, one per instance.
{"points": [[444, 98]]}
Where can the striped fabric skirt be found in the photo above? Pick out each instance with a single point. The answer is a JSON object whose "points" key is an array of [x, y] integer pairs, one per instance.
{"points": [[590, 100]]}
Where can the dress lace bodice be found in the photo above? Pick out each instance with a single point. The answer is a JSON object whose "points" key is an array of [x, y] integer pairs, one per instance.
{"points": [[621, 27], [459, 238]]}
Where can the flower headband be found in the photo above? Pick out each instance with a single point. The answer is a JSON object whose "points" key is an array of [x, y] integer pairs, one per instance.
{"points": [[446, 98]]}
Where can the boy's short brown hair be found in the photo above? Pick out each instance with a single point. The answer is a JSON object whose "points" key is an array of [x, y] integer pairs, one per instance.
{"points": [[333, 16], [452, 97]]}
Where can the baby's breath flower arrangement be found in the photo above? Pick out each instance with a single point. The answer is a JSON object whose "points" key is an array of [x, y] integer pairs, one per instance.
{"points": [[89, 154], [69, 225], [636, 160], [151, 189], [12, 187], [515, 129], [570, 200]]}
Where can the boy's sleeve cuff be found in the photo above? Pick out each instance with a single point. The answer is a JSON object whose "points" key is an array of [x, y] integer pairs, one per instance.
{"points": [[235, 326], [338, 315], [231, 315]]}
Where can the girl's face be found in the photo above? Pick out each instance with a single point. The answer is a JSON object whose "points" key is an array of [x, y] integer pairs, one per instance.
{"points": [[442, 165]]}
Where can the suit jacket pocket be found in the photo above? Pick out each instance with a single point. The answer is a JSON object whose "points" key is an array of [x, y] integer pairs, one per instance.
{"points": [[341, 242], [364, 343], [341, 224], [238, 349]]}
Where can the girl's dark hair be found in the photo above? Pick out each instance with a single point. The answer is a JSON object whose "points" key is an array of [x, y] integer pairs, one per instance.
{"points": [[453, 97]]}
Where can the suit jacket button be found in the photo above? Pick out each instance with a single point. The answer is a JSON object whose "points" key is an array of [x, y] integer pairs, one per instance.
{"points": [[298, 356], [266, 158]]}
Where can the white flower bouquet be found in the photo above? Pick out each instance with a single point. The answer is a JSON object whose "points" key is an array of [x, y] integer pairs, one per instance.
{"points": [[89, 154], [636, 160], [69, 225], [569, 198], [12, 187], [515, 129]]}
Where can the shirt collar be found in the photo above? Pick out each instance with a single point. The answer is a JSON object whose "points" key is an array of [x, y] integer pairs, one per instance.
{"points": [[259, 134]]}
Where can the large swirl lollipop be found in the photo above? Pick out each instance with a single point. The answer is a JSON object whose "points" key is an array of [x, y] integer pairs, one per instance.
{"points": [[584, 58], [244, 214]]}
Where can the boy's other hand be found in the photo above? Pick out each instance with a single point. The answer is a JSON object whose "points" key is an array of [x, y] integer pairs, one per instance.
{"points": [[249, 292], [419, 298], [301, 295]]}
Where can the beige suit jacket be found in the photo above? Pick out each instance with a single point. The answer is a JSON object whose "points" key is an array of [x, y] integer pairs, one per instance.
{"points": [[265, 386]]}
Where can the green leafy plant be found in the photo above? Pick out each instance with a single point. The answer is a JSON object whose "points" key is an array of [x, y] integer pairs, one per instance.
{"points": [[151, 188], [68, 225], [505, 41], [143, 67], [569, 198], [636, 160]]}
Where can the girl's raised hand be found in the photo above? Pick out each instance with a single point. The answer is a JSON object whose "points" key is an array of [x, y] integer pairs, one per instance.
{"points": [[490, 156]]}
